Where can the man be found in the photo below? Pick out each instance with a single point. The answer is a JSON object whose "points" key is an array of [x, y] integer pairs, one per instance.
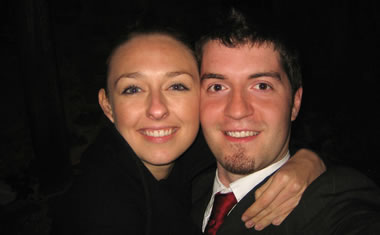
{"points": [[251, 91]]}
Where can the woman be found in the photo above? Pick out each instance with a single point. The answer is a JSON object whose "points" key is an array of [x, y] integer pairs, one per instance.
{"points": [[136, 176]]}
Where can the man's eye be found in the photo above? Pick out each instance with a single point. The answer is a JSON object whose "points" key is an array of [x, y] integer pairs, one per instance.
{"points": [[131, 90], [262, 86], [178, 87], [216, 87]]}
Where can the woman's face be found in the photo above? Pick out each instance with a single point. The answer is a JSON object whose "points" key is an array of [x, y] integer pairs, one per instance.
{"points": [[153, 97]]}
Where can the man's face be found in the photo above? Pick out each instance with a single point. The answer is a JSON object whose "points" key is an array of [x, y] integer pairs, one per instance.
{"points": [[246, 106], [153, 97]]}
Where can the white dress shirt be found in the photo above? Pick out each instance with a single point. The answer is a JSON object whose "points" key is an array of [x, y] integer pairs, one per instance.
{"points": [[242, 186]]}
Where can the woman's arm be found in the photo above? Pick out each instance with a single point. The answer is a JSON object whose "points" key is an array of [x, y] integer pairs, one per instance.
{"points": [[282, 192]]}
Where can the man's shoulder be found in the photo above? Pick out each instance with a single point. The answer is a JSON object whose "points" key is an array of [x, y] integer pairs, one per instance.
{"points": [[340, 197], [339, 184], [340, 178]]}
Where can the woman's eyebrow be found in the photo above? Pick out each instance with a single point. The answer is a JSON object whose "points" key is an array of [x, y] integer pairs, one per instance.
{"points": [[178, 73], [127, 75], [136, 75]]}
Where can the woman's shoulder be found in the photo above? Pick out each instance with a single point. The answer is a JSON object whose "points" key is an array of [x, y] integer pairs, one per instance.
{"points": [[105, 187], [108, 164]]}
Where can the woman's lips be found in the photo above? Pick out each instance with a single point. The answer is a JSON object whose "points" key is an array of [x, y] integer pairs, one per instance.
{"points": [[159, 135]]}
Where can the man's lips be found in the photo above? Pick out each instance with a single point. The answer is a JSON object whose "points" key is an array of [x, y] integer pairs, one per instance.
{"points": [[241, 134]]}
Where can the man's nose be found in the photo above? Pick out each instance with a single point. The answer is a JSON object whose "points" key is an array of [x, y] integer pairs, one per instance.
{"points": [[157, 106], [238, 105]]}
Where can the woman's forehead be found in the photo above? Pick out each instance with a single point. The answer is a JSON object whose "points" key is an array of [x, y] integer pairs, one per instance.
{"points": [[152, 52]]}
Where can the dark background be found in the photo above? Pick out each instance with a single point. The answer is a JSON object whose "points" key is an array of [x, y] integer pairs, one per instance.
{"points": [[53, 57]]}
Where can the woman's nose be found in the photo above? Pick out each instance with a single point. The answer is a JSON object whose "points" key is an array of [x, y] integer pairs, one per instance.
{"points": [[157, 107]]}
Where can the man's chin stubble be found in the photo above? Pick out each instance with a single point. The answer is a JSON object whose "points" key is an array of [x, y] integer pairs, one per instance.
{"points": [[238, 162]]}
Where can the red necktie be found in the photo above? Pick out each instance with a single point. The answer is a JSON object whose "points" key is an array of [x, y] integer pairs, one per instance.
{"points": [[223, 203]]}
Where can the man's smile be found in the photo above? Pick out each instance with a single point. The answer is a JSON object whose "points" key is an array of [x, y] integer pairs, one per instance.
{"points": [[241, 134]]}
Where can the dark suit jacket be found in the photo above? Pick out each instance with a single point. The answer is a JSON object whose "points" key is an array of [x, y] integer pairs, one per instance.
{"points": [[116, 194], [341, 201]]}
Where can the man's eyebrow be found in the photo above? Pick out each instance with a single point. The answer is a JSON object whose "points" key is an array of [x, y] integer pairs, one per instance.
{"points": [[211, 76], [275, 75]]}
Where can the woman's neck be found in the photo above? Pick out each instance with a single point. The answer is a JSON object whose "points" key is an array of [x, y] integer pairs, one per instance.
{"points": [[159, 172]]}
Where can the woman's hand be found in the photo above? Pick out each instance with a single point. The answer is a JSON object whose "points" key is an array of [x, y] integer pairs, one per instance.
{"points": [[282, 192]]}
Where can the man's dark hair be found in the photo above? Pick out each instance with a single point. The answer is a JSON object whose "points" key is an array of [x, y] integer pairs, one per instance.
{"points": [[233, 28]]}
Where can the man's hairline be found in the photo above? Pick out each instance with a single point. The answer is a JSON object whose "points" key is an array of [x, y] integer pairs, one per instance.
{"points": [[245, 41]]}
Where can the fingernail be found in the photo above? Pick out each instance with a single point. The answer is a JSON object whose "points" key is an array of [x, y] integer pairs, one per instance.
{"points": [[244, 218], [276, 222], [258, 227], [249, 224]]}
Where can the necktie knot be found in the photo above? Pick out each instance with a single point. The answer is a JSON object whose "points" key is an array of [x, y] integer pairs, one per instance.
{"points": [[223, 203]]}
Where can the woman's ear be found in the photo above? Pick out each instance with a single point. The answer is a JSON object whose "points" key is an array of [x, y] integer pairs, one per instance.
{"points": [[105, 104], [296, 103]]}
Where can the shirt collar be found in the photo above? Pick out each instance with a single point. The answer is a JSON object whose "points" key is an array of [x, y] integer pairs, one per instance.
{"points": [[241, 187]]}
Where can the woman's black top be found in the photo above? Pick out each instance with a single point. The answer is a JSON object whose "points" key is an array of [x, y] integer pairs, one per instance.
{"points": [[114, 192]]}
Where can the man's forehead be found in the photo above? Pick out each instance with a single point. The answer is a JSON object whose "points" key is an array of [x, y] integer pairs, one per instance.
{"points": [[249, 61], [214, 52]]}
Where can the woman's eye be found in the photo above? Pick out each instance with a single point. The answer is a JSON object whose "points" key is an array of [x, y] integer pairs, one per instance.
{"points": [[131, 90], [178, 87], [216, 87], [262, 86]]}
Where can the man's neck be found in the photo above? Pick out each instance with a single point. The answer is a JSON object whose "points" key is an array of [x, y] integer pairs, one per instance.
{"points": [[226, 177]]}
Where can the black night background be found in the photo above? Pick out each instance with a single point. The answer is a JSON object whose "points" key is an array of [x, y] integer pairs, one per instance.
{"points": [[53, 57]]}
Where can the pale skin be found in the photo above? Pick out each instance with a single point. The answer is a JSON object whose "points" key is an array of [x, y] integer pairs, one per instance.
{"points": [[245, 90], [153, 84], [158, 77]]}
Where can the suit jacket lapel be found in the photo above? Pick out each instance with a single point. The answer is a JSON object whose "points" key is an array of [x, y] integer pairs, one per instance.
{"points": [[232, 223], [202, 191], [201, 195]]}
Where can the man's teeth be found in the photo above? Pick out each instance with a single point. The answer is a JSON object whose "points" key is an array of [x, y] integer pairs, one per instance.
{"points": [[159, 133], [241, 134]]}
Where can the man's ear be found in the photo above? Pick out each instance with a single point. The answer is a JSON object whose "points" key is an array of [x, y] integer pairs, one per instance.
{"points": [[105, 104], [296, 103]]}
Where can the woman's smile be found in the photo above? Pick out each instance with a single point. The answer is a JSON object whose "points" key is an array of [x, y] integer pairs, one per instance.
{"points": [[159, 135]]}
